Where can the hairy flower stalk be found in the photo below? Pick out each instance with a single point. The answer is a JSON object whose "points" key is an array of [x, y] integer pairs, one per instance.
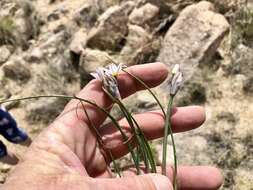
{"points": [[175, 84]]}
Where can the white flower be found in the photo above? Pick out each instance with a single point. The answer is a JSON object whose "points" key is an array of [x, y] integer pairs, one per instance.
{"points": [[175, 69], [177, 80], [109, 81], [113, 69], [110, 84], [99, 74]]}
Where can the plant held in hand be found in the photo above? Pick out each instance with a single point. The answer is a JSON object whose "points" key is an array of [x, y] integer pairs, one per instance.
{"points": [[109, 83]]}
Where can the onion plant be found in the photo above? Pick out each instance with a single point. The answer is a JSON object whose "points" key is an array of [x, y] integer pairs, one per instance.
{"points": [[139, 149]]}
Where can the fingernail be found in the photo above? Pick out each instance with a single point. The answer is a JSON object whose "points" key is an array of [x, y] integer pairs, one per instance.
{"points": [[161, 182]]}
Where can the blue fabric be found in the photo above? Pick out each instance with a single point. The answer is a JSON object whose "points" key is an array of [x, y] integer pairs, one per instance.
{"points": [[3, 150], [9, 129]]}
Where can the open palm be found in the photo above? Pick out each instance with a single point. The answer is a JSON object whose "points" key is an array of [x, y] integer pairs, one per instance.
{"points": [[67, 155]]}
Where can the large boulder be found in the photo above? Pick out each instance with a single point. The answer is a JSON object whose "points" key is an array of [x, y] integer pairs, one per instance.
{"points": [[176, 6], [4, 54], [91, 59], [138, 44], [78, 41], [111, 28], [144, 14], [194, 37]]}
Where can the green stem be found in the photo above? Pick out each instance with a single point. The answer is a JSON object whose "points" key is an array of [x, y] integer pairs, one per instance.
{"points": [[125, 138], [146, 146], [142, 142], [140, 136], [123, 109], [115, 165], [167, 131]]}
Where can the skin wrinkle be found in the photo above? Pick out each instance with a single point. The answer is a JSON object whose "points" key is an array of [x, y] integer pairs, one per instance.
{"points": [[87, 141], [68, 157], [79, 140], [115, 138], [80, 143], [150, 184], [56, 139]]}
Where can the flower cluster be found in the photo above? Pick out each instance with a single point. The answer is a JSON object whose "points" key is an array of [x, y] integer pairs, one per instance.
{"points": [[176, 81], [108, 76]]}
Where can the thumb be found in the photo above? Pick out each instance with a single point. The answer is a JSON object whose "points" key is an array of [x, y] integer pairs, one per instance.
{"points": [[141, 182]]}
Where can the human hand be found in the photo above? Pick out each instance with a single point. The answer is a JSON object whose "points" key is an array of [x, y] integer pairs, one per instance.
{"points": [[66, 155]]}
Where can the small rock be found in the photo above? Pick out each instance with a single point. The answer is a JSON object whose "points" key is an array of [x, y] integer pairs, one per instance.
{"points": [[136, 45], [248, 85], [164, 5], [87, 15], [111, 28], [55, 15], [5, 168], [35, 56], [16, 70], [241, 61], [2, 179], [143, 15], [4, 54], [92, 59], [238, 83], [106, 4], [194, 37], [79, 41], [59, 28]]}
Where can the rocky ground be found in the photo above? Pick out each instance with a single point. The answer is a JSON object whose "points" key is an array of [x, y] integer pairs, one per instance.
{"points": [[49, 47]]}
